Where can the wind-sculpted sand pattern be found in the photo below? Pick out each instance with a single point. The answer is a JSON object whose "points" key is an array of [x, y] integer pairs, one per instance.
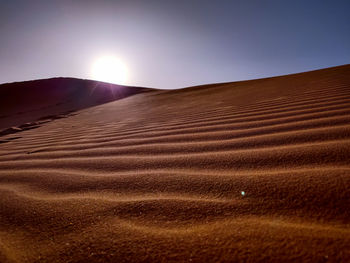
{"points": [[248, 171]]}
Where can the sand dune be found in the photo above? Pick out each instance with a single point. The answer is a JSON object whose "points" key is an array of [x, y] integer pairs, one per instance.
{"points": [[248, 171], [31, 103]]}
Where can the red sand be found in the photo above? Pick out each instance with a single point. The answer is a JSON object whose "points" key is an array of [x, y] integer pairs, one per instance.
{"points": [[247, 171]]}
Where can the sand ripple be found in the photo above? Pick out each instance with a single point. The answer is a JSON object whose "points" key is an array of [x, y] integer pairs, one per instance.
{"points": [[246, 171]]}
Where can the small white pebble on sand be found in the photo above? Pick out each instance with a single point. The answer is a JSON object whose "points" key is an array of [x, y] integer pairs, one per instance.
{"points": [[242, 193]]}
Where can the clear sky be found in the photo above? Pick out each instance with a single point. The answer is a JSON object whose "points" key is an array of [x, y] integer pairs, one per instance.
{"points": [[172, 44]]}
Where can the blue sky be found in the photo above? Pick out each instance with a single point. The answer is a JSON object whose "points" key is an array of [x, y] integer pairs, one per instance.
{"points": [[172, 44]]}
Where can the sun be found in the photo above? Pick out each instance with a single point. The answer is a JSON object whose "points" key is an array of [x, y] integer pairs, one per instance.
{"points": [[109, 69]]}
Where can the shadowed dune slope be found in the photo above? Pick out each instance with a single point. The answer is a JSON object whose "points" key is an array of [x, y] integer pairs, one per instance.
{"points": [[28, 101], [249, 171]]}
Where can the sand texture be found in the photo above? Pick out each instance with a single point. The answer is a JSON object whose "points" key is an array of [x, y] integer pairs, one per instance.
{"points": [[249, 171]]}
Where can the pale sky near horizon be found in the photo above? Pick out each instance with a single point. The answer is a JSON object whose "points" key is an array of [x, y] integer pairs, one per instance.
{"points": [[172, 44]]}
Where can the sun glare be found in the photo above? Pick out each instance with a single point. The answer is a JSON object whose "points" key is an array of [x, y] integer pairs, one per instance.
{"points": [[109, 69]]}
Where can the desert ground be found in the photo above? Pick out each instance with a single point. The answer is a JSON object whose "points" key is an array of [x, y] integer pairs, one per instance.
{"points": [[248, 171]]}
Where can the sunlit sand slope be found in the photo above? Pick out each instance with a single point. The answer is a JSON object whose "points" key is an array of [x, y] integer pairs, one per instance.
{"points": [[247, 171]]}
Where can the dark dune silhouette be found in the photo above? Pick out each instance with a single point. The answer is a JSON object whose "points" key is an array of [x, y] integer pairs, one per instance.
{"points": [[249, 171], [28, 101]]}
